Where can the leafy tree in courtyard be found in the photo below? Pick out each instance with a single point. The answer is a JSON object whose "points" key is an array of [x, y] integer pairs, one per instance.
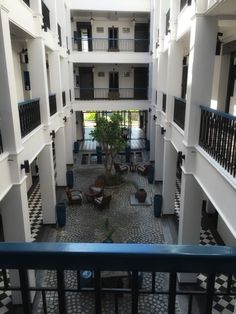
{"points": [[108, 133]]}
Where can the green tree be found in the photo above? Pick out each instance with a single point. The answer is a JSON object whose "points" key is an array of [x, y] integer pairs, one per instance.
{"points": [[108, 133]]}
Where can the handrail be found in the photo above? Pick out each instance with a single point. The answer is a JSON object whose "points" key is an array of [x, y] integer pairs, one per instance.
{"points": [[28, 101], [107, 38], [103, 256], [219, 112]]}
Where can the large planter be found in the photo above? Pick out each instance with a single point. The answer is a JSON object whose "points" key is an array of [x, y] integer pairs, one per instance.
{"points": [[70, 179], [61, 214], [141, 195], [150, 174]]}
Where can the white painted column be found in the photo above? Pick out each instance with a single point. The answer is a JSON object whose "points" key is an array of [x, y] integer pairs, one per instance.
{"points": [[47, 184], [169, 178], [10, 123], [55, 77], [60, 157], [200, 69], [38, 76], [69, 141], [16, 227], [190, 217]]}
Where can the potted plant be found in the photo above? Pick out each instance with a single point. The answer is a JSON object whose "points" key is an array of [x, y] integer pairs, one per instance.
{"points": [[109, 230]]}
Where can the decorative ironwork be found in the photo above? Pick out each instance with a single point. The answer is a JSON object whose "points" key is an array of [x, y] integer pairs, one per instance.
{"points": [[1, 144], [164, 102], [29, 113], [64, 98], [129, 259], [111, 93], [179, 112], [52, 104], [46, 16], [218, 137]]}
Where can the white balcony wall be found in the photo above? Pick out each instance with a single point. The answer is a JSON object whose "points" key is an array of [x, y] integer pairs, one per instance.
{"points": [[22, 16], [184, 20], [114, 5], [107, 57], [6, 183], [110, 105], [16, 48], [177, 136], [219, 187]]}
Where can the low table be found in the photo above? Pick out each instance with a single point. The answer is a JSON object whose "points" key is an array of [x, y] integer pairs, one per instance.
{"points": [[135, 202]]}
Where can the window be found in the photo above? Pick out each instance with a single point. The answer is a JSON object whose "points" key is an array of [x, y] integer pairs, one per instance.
{"points": [[113, 81], [184, 3], [184, 77], [26, 80]]}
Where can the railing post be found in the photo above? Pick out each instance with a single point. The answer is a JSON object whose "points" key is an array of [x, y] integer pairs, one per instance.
{"points": [[210, 293], [98, 305], [172, 293], [61, 291], [25, 293], [134, 292]]}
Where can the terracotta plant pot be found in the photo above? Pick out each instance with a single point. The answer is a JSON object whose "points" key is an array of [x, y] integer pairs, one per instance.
{"points": [[141, 195]]}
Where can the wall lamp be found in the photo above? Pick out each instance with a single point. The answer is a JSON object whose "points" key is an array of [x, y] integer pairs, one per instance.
{"points": [[154, 117], [65, 119], [163, 130], [150, 109], [25, 166], [53, 134], [44, 27], [180, 158], [71, 111]]}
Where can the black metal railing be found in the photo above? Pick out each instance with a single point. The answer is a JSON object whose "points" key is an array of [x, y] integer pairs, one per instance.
{"points": [[179, 112], [111, 93], [164, 102], [88, 261], [52, 104], [59, 35], [184, 3], [64, 98], [46, 16], [103, 44], [168, 22], [1, 144], [27, 2], [218, 137], [29, 113]]}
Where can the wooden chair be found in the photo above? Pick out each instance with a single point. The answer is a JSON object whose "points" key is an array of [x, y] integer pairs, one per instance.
{"points": [[102, 202], [74, 196], [142, 169], [121, 169], [93, 192]]}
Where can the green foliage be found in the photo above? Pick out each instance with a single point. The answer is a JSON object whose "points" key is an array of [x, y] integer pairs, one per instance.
{"points": [[108, 133], [90, 116]]}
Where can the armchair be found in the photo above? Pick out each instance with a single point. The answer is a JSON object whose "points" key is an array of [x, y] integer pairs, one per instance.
{"points": [[102, 202], [121, 169], [73, 196]]}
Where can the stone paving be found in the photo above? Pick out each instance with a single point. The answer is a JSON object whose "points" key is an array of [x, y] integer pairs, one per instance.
{"points": [[85, 224]]}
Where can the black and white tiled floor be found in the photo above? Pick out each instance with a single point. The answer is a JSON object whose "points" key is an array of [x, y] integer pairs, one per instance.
{"points": [[221, 304], [36, 221]]}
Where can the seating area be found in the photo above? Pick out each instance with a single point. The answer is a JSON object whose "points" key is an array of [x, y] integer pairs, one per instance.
{"points": [[74, 196], [121, 168]]}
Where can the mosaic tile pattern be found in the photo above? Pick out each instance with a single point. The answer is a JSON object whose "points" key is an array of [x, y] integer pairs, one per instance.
{"points": [[35, 212], [134, 224]]}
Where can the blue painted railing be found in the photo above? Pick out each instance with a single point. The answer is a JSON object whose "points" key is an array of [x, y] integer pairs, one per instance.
{"points": [[218, 137], [29, 113], [131, 258]]}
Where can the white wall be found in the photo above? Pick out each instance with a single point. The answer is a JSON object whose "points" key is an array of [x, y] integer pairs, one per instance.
{"points": [[16, 48], [224, 232]]}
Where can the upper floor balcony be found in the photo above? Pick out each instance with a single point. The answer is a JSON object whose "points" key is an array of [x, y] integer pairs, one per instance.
{"points": [[116, 270], [113, 33]]}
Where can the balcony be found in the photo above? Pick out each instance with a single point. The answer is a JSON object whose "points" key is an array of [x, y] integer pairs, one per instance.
{"points": [[46, 17], [179, 112], [111, 93], [29, 113], [64, 98], [1, 145], [218, 137], [110, 44], [133, 259], [52, 104]]}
